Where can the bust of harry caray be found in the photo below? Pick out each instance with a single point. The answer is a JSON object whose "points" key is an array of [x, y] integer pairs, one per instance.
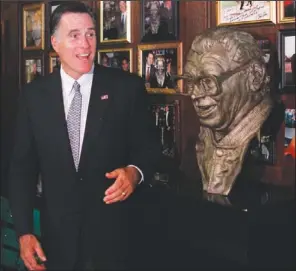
{"points": [[226, 77]]}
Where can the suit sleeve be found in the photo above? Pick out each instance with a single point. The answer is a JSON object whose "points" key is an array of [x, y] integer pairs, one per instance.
{"points": [[23, 171], [145, 149]]}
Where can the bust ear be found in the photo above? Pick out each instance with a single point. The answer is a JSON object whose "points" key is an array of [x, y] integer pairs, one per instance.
{"points": [[257, 76]]}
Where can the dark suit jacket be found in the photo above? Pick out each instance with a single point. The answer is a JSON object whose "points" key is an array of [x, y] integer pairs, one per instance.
{"points": [[118, 133]]}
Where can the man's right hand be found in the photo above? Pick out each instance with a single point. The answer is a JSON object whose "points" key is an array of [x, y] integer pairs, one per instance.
{"points": [[29, 248]]}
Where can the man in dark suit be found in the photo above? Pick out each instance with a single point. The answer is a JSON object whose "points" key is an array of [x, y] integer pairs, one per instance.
{"points": [[91, 140]]}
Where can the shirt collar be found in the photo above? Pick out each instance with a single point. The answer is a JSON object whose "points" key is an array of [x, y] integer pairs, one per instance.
{"points": [[67, 80]]}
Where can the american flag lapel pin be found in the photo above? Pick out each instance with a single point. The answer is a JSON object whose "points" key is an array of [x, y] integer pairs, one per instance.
{"points": [[104, 97]]}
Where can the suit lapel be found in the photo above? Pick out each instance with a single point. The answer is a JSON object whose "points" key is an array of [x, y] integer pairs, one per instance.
{"points": [[57, 119], [99, 104]]}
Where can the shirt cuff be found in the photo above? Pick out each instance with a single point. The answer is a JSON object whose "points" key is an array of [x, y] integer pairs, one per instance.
{"points": [[140, 171]]}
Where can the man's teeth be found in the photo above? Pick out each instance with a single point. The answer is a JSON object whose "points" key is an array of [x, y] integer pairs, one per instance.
{"points": [[83, 55]]}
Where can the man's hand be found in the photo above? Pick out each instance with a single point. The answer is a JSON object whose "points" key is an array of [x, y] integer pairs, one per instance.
{"points": [[29, 249], [126, 180]]}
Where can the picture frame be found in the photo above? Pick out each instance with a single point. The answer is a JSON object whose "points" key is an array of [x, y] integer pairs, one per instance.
{"points": [[286, 11], [54, 62], [159, 21], [33, 26], [159, 65], [263, 148], [33, 68], [286, 47], [245, 12], [115, 21], [290, 127], [121, 58]]}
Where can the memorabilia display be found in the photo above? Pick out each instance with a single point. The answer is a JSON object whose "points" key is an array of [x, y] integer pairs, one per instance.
{"points": [[286, 47], [290, 126], [115, 21], [33, 69], [242, 12], [159, 20], [159, 64], [33, 26], [231, 95], [286, 11], [165, 120], [54, 62], [116, 58]]}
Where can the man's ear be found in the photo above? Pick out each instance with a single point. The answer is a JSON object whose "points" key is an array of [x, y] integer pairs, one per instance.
{"points": [[54, 42], [257, 76]]}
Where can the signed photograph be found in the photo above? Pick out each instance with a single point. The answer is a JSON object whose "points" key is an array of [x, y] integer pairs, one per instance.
{"points": [[242, 12], [159, 21], [115, 21], [116, 58], [159, 65], [33, 26]]}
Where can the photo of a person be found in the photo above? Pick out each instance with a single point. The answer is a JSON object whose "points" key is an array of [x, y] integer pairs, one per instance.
{"points": [[115, 19], [159, 21], [33, 69], [118, 59], [55, 63], [33, 26], [159, 68], [288, 55]]}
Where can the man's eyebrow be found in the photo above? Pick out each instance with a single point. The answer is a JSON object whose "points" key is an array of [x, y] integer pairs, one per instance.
{"points": [[77, 30]]}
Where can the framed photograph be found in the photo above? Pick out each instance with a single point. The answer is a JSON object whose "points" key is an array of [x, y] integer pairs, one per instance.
{"points": [[33, 26], [54, 62], [286, 11], [265, 46], [116, 58], [115, 21], [286, 47], [159, 64], [160, 21], [166, 116], [245, 12], [263, 148], [290, 125], [33, 68]]}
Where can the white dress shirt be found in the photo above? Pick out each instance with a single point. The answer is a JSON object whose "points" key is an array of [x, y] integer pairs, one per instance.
{"points": [[85, 82]]}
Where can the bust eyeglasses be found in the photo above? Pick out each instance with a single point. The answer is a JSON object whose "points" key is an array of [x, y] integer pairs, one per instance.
{"points": [[208, 84]]}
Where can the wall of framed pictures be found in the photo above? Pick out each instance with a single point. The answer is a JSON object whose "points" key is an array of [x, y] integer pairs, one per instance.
{"points": [[152, 38]]}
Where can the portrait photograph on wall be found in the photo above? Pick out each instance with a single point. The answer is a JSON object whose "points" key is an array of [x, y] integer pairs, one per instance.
{"points": [[33, 26], [160, 20], [54, 62], [290, 125], [286, 45], [33, 69], [116, 58], [286, 11], [159, 65], [243, 12], [115, 21]]}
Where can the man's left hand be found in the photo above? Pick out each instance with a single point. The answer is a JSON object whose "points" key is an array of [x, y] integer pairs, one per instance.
{"points": [[126, 180]]}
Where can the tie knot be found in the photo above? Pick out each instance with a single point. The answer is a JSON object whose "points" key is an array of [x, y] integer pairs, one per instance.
{"points": [[76, 86]]}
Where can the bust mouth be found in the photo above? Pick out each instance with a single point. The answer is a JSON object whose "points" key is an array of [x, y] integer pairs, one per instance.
{"points": [[205, 110]]}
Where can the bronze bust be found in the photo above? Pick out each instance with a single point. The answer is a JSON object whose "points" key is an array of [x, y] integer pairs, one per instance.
{"points": [[227, 80]]}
